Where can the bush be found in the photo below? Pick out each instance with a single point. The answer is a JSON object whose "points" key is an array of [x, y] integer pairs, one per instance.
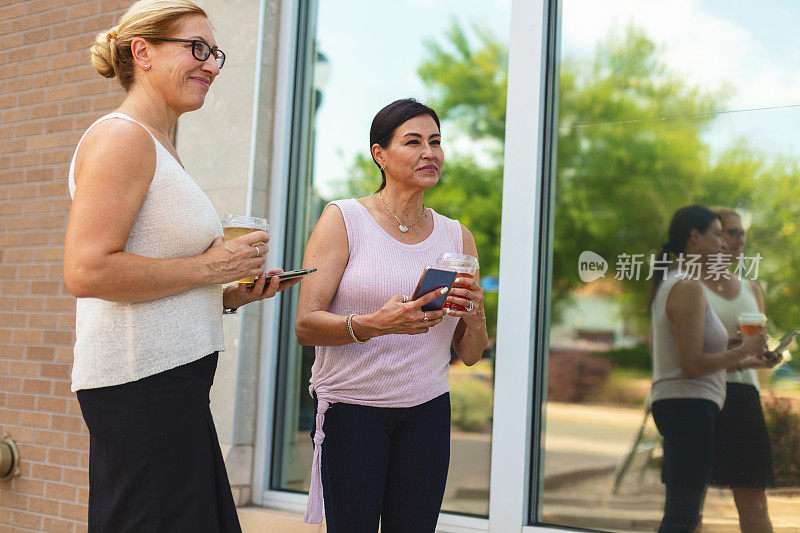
{"points": [[574, 376], [783, 425], [470, 403], [637, 357]]}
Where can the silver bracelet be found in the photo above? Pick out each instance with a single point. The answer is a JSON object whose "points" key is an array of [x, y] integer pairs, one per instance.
{"points": [[349, 323]]}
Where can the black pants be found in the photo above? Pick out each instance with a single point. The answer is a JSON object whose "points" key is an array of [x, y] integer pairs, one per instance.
{"points": [[154, 459], [387, 464], [688, 426]]}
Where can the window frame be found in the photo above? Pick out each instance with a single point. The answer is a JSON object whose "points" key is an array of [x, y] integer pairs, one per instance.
{"points": [[520, 350]]}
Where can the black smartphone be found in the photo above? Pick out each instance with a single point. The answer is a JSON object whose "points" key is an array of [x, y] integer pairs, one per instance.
{"points": [[291, 274], [287, 275], [432, 279]]}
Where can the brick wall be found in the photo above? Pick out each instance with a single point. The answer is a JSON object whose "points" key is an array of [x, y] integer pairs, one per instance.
{"points": [[49, 94]]}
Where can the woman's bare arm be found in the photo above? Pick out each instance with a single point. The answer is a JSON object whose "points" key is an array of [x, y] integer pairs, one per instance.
{"points": [[470, 338], [113, 171]]}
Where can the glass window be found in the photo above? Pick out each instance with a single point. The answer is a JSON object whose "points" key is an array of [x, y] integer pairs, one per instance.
{"points": [[662, 104], [354, 57]]}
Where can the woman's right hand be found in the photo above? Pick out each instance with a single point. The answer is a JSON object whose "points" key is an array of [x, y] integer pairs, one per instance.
{"points": [[752, 345], [398, 316], [237, 258]]}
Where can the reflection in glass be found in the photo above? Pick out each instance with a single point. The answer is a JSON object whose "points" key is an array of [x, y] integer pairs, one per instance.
{"points": [[673, 104], [457, 63]]}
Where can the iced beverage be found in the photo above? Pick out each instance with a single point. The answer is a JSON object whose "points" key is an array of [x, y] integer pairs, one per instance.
{"points": [[237, 225], [465, 265], [751, 323]]}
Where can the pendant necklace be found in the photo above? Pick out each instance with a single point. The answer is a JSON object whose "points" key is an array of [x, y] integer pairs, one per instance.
{"points": [[402, 227]]}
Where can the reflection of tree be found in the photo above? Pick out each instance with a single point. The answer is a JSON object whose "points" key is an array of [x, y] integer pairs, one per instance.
{"points": [[630, 152]]}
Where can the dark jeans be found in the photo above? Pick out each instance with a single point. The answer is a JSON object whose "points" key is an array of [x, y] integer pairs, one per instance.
{"points": [[385, 464], [688, 426]]}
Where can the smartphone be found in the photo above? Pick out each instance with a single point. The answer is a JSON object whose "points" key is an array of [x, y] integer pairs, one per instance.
{"points": [[287, 275], [291, 274], [432, 279], [784, 342]]}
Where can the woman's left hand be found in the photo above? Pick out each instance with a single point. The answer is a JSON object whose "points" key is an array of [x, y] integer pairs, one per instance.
{"points": [[467, 293], [236, 295]]}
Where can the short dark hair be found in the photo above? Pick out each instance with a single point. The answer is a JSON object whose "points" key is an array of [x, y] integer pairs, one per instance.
{"points": [[388, 119]]}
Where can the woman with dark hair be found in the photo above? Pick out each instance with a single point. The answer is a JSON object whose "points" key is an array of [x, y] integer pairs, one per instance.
{"points": [[382, 430], [691, 353], [743, 456]]}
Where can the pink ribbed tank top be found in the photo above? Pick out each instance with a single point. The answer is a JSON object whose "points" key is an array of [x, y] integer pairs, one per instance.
{"points": [[390, 370]]}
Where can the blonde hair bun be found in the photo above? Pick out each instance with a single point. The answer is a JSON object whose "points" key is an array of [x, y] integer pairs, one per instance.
{"points": [[147, 19]]}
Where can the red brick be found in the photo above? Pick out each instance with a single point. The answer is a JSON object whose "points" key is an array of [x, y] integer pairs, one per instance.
{"points": [[76, 476], [10, 384], [14, 500], [63, 457], [49, 472], [37, 386], [23, 336], [74, 511], [20, 401], [37, 6], [40, 353], [43, 506], [52, 17], [55, 525], [79, 442], [12, 11], [38, 420], [26, 520], [11, 319], [33, 453], [67, 423], [7, 416], [42, 320], [37, 36], [29, 129], [48, 370], [24, 369]]}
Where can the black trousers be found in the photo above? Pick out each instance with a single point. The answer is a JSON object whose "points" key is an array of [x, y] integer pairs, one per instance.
{"points": [[385, 464], [688, 426], [154, 459]]}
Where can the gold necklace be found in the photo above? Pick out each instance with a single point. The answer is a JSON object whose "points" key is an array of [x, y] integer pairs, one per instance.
{"points": [[402, 227]]}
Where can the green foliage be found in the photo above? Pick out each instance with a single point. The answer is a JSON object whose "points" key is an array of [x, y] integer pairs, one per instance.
{"points": [[636, 357], [630, 152], [470, 403]]}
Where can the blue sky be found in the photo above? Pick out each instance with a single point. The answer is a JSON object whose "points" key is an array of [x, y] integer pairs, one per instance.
{"points": [[375, 48]]}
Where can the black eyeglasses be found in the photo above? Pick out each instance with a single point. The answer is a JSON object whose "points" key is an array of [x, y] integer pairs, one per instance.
{"points": [[735, 233], [201, 50]]}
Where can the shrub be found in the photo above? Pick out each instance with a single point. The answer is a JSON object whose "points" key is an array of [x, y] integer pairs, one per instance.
{"points": [[637, 357], [470, 403], [574, 375], [783, 425]]}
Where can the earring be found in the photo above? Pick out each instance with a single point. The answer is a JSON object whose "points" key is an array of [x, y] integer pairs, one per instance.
{"points": [[146, 67], [383, 168]]}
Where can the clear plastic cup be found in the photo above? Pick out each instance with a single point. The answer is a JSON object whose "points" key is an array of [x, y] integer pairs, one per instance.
{"points": [[237, 225], [751, 323], [465, 265]]}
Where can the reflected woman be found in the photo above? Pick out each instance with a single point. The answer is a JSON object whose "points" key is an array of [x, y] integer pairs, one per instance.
{"points": [[382, 430], [691, 355], [743, 457]]}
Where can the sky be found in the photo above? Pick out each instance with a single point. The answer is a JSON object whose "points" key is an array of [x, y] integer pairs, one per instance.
{"points": [[375, 48]]}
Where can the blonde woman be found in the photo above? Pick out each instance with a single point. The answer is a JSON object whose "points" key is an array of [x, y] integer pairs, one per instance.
{"points": [[743, 454], [145, 258]]}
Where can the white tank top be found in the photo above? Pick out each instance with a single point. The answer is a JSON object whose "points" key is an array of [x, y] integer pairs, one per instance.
{"points": [[668, 379], [728, 313], [123, 342]]}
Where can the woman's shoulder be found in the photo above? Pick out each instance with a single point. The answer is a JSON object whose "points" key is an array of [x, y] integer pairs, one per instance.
{"points": [[118, 137]]}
